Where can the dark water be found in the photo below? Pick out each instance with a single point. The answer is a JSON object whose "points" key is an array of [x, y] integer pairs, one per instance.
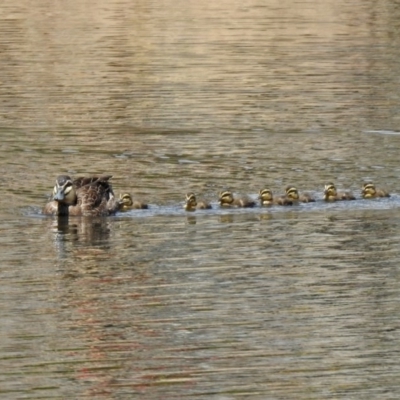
{"points": [[171, 97]]}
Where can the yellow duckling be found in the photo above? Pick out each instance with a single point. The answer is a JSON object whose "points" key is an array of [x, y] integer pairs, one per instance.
{"points": [[128, 204], [226, 199], [267, 199], [369, 191], [293, 194], [191, 203], [331, 194]]}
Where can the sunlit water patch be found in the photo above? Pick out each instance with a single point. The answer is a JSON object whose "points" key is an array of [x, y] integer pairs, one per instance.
{"points": [[383, 132]]}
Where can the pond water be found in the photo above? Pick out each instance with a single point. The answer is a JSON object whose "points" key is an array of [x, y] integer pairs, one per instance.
{"points": [[169, 97]]}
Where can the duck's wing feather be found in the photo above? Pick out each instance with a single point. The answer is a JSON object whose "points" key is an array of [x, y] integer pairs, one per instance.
{"points": [[95, 195]]}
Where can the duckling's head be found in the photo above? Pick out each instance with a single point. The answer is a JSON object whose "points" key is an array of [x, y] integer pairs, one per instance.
{"points": [[225, 198], [292, 193], [125, 200], [64, 191], [368, 190], [330, 190], [190, 202], [265, 195]]}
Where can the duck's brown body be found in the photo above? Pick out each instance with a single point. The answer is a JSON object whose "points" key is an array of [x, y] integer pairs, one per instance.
{"points": [[306, 198], [369, 191], [191, 203], [227, 200], [91, 196], [331, 194]]}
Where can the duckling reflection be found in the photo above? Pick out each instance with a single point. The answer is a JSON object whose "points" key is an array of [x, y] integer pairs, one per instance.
{"points": [[191, 220], [265, 216], [226, 218]]}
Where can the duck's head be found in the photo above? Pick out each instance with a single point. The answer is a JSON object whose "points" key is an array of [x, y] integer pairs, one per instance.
{"points": [[64, 191], [292, 193], [265, 195], [368, 190], [330, 190], [225, 198], [190, 202], [125, 200]]}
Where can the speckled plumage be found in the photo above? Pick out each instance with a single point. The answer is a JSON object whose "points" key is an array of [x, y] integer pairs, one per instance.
{"points": [[87, 196]]}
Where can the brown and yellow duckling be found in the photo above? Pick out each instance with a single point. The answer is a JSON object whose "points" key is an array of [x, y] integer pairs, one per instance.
{"points": [[87, 196], [226, 199], [128, 204], [267, 199], [331, 194], [191, 203], [369, 191], [293, 194]]}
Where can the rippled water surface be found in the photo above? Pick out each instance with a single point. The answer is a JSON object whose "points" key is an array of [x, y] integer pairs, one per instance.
{"points": [[169, 97]]}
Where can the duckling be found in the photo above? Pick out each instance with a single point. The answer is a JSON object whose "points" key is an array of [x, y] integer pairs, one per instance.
{"points": [[191, 203], [226, 199], [293, 194], [128, 204], [369, 191], [331, 194], [87, 196], [267, 199]]}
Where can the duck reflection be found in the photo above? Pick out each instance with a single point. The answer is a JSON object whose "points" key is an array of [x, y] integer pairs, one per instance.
{"points": [[265, 216], [83, 232], [237, 218], [191, 220]]}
